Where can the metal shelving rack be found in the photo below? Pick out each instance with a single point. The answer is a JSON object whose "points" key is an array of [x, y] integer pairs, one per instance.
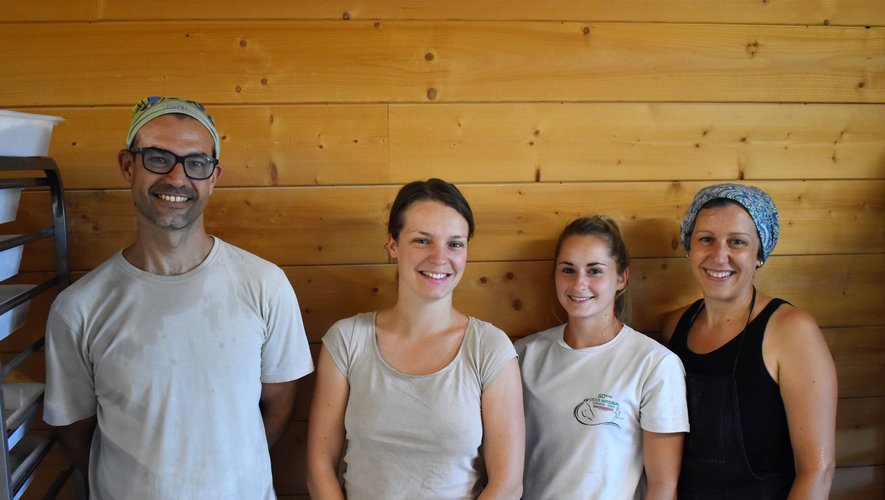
{"points": [[15, 479]]}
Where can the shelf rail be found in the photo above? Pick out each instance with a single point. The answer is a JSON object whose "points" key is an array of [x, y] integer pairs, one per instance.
{"points": [[58, 232]]}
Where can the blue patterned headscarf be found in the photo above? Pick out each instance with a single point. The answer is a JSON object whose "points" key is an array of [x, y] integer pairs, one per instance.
{"points": [[754, 200]]}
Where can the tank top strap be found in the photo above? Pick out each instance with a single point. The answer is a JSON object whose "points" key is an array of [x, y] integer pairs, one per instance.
{"points": [[757, 326], [679, 340]]}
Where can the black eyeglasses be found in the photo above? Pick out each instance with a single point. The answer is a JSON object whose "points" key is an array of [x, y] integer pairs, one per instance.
{"points": [[160, 161]]}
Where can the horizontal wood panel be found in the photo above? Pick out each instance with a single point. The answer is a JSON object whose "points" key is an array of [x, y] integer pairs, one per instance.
{"points": [[618, 141], [260, 145], [348, 144], [421, 61], [860, 425], [853, 483], [859, 354], [48, 10], [830, 12], [347, 225]]}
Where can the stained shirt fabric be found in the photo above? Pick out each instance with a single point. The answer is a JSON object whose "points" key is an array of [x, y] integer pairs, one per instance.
{"points": [[172, 366]]}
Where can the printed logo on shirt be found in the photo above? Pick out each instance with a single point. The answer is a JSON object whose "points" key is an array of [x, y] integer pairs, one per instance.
{"points": [[599, 410]]}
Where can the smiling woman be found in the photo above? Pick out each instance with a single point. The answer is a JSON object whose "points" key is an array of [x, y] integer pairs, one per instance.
{"points": [[760, 379], [426, 401], [604, 404]]}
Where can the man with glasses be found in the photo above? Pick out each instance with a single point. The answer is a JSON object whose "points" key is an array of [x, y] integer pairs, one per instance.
{"points": [[171, 367]]}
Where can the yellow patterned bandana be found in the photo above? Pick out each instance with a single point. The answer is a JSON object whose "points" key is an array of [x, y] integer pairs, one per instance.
{"points": [[152, 107]]}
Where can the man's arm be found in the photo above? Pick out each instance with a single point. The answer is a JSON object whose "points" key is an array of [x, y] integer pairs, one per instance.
{"points": [[76, 440], [277, 403]]}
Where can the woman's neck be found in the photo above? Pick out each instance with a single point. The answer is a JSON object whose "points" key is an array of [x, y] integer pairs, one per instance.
{"points": [[734, 311], [589, 332], [420, 317]]}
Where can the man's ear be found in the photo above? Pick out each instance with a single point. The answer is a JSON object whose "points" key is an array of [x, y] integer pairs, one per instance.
{"points": [[126, 161], [214, 179]]}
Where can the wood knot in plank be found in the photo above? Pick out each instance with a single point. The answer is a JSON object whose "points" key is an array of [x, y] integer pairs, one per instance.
{"points": [[753, 48]]}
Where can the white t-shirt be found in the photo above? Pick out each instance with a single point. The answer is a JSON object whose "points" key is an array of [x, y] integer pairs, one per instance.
{"points": [[414, 436], [172, 367], [586, 410]]}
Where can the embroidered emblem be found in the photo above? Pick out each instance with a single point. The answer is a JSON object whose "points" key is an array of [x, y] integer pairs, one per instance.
{"points": [[599, 410]]}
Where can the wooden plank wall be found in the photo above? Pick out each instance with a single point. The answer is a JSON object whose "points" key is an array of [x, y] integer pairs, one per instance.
{"points": [[540, 112]]}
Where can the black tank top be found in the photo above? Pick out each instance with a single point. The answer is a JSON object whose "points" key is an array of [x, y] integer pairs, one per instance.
{"points": [[763, 418]]}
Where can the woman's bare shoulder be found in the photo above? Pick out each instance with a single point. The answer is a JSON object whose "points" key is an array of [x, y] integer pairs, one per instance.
{"points": [[671, 319]]}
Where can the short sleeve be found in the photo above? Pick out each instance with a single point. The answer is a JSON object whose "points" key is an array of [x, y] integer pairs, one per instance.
{"points": [[70, 386], [495, 350], [285, 354], [337, 346], [663, 407]]}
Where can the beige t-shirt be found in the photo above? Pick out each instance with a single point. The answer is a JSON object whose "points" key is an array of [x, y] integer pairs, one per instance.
{"points": [[415, 436], [172, 367]]}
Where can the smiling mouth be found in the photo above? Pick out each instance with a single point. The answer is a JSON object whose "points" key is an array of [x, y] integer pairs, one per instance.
{"points": [[173, 198], [718, 274], [436, 276], [579, 298]]}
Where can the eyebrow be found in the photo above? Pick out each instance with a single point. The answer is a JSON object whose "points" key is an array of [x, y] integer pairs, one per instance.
{"points": [[425, 233], [589, 264], [730, 234], [194, 153]]}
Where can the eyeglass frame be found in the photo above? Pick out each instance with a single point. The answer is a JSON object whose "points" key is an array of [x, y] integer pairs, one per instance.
{"points": [[178, 159]]}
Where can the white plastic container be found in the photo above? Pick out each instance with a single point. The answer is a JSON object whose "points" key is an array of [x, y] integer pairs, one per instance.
{"points": [[25, 134], [9, 204], [10, 258], [17, 398], [13, 319], [19, 408]]}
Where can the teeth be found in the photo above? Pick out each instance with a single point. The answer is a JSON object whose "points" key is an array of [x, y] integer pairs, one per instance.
{"points": [[172, 198], [579, 299], [720, 274], [436, 276]]}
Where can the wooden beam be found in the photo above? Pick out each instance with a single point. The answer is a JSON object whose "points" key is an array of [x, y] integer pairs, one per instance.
{"points": [[265, 62], [289, 145], [820, 12]]}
